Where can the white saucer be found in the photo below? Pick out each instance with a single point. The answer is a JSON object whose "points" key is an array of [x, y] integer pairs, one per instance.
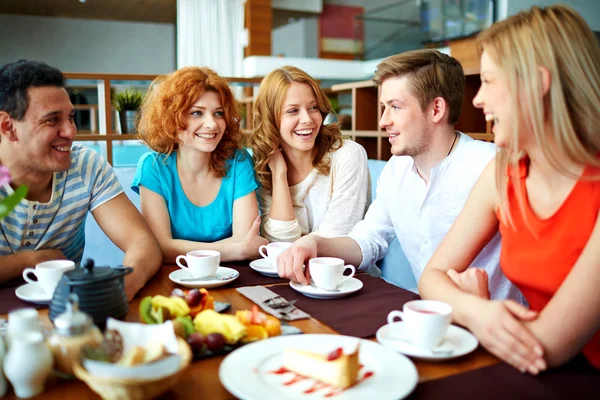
{"points": [[264, 266], [458, 340], [346, 288], [33, 293], [222, 272]]}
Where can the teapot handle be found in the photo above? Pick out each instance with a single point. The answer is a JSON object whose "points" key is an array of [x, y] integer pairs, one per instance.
{"points": [[121, 271]]}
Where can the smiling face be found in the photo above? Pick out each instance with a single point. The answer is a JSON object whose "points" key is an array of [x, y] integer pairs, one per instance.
{"points": [[205, 123], [493, 98], [403, 119], [45, 135], [301, 119]]}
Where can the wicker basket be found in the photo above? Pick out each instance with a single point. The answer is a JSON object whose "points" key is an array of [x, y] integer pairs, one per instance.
{"points": [[133, 389]]}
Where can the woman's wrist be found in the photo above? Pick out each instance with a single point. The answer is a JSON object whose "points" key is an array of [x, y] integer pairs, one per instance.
{"points": [[468, 309], [279, 175]]}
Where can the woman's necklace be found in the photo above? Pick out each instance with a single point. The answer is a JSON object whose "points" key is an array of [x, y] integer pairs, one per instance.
{"points": [[453, 143]]}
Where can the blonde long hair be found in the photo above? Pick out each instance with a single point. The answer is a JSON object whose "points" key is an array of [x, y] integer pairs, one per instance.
{"points": [[557, 38], [267, 119]]}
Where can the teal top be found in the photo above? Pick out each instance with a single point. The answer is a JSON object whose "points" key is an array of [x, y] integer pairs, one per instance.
{"points": [[210, 223]]}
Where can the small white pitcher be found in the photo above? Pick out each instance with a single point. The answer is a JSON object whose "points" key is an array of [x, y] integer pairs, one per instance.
{"points": [[28, 364]]}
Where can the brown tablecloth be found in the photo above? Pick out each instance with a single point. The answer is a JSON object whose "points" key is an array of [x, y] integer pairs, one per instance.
{"points": [[248, 276], [575, 380], [360, 314], [9, 301]]}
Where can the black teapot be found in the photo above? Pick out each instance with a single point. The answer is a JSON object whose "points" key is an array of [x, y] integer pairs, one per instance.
{"points": [[101, 292]]}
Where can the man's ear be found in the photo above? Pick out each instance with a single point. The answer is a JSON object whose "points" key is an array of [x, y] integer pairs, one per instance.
{"points": [[7, 127], [438, 109]]}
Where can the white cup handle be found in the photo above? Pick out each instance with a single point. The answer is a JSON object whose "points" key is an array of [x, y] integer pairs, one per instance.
{"points": [[26, 271], [179, 263], [260, 251], [345, 278], [394, 314]]}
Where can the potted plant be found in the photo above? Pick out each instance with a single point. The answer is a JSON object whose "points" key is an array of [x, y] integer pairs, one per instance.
{"points": [[127, 103], [11, 201]]}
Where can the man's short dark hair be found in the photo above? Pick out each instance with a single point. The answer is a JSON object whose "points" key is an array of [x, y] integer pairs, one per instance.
{"points": [[17, 77]]}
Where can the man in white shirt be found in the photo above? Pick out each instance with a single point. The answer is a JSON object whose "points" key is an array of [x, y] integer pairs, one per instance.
{"points": [[424, 185]]}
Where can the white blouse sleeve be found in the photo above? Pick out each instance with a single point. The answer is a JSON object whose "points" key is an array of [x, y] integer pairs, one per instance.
{"points": [[272, 229], [351, 191]]}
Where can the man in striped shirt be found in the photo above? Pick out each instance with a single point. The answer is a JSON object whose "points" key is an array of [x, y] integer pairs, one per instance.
{"points": [[64, 181]]}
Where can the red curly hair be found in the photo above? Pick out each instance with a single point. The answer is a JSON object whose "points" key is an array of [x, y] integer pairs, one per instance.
{"points": [[165, 106]]}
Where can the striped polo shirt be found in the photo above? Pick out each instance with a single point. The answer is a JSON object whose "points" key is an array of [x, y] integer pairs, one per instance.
{"points": [[60, 223]]}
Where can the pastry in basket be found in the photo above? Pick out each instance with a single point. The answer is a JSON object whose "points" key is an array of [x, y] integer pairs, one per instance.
{"points": [[336, 368], [143, 355]]}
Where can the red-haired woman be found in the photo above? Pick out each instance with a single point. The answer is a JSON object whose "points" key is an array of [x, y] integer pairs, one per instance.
{"points": [[197, 186]]}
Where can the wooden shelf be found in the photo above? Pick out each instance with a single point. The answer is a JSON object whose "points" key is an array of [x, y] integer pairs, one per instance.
{"points": [[340, 87]]}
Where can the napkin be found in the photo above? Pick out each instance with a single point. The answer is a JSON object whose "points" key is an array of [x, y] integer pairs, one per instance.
{"points": [[260, 295]]}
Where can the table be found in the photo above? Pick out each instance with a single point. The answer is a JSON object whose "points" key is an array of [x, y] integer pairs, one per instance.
{"points": [[201, 378]]}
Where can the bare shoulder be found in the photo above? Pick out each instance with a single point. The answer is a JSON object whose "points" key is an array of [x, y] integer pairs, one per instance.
{"points": [[487, 184]]}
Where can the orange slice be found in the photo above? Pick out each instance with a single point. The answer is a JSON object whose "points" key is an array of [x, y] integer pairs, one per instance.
{"points": [[254, 333], [273, 326]]}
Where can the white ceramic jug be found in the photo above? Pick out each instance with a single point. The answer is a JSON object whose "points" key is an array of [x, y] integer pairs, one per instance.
{"points": [[28, 364]]}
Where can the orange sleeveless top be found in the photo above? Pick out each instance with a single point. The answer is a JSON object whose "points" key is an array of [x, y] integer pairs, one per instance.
{"points": [[537, 258]]}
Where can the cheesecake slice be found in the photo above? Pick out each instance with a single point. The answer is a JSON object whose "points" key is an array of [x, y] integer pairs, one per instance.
{"points": [[335, 368]]}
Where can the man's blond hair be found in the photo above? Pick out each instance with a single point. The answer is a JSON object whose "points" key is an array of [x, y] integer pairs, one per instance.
{"points": [[431, 74]]}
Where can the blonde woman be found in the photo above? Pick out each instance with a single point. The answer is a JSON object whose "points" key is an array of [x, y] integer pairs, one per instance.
{"points": [[312, 180], [540, 73]]}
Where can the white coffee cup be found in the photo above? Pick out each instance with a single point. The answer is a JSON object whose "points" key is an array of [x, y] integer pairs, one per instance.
{"points": [[200, 263], [426, 321], [22, 321], [48, 274], [328, 272], [272, 250]]}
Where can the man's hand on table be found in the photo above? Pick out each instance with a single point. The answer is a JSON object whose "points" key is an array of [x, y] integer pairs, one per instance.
{"points": [[291, 263]]}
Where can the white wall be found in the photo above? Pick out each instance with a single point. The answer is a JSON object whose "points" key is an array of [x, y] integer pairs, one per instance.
{"points": [[315, 6], [296, 39], [83, 45]]}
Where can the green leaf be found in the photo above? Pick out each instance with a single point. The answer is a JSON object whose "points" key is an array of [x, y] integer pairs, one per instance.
{"points": [[128, 100], [11, 201]]}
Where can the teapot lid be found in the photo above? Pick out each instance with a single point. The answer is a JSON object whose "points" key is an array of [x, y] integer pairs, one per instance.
{"points": [[90, 273], [72, 321]]}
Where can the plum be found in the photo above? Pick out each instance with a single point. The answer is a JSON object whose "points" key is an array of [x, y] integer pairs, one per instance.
{"points": [[196, 341], [193, 298], [215, 342]]}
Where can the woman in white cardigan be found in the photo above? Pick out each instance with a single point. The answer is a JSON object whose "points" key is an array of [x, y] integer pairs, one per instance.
{"points": [[312, 180]]}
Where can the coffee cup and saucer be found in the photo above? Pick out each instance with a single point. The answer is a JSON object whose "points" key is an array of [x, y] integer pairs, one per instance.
{"points": [[267, 265], [425, 332], [328, 279], [202, 270], [48, 275]]}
